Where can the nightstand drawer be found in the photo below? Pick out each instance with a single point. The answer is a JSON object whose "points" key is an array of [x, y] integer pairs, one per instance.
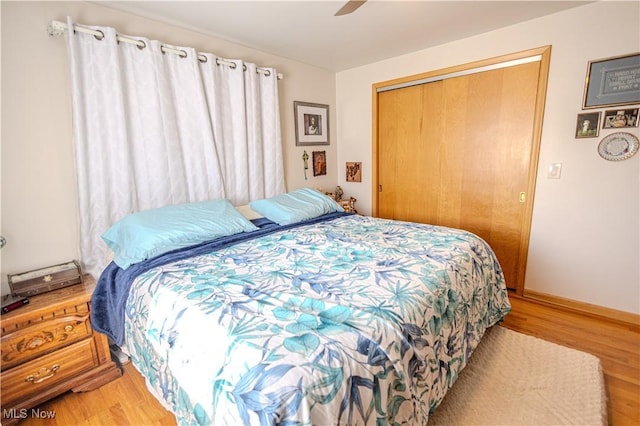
{"points": [[48, 370], [49, 347], [29, 342]]}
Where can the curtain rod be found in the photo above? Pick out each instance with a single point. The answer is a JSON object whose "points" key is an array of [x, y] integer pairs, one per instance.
{"points": [[56, 28]]}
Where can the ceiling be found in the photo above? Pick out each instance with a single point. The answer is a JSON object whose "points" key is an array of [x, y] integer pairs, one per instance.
{"points": [[308, 32]]}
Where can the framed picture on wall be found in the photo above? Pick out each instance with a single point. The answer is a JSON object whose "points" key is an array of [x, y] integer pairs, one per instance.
{"points": [[319, 163], [588, 125], [618, 118], [612, 82], [312, 123], [354, 172]]}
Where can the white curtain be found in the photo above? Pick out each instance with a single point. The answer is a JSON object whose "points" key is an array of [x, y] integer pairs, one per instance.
{"points": [[153, 129]]}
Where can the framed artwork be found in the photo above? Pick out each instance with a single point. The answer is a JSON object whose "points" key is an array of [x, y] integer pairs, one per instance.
{"points": [[312, 123], [588, 125], [618, 118], [354, 172], [612, 81], [319, 163]]}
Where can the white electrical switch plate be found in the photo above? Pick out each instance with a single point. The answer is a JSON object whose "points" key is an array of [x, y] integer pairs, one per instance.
{"points": [[554, 170]]}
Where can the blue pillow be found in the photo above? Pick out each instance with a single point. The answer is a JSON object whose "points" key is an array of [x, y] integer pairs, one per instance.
{"points": [[295, 206], [150, 233]]}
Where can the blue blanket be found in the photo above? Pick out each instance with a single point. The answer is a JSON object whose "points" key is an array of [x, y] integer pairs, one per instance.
{"points": [[112, 289]]}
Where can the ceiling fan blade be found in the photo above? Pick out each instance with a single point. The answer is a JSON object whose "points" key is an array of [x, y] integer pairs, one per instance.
{"points": [[350, 7]]}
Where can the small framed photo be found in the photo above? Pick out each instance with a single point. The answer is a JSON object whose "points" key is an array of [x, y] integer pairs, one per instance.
{"points": [[354, 172], [312, 123], [588, 125], [612, 82], [319, 163], [617, 118]]}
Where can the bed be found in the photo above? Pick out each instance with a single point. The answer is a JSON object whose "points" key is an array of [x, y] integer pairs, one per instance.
{"points": [[331, 319]]}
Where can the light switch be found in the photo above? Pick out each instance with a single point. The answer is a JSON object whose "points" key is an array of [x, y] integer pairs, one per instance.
{"points": [[554, 170]]}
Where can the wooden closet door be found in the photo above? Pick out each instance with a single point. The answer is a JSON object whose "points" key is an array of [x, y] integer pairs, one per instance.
{"points": [[411, 131], [456, 152]]}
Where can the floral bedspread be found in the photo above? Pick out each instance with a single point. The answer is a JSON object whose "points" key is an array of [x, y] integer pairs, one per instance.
{"points": [[352, 321]]}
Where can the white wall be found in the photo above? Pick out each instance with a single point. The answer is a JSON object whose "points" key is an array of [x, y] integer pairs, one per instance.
{"points": [[585, 232], [39, 201], [585, 242]]}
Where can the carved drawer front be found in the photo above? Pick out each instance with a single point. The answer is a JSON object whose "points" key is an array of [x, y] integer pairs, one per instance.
{"points": [[40, 338], [47, 371]]}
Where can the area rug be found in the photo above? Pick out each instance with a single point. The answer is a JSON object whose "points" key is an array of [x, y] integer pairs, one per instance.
{"points": [[515, 379]]}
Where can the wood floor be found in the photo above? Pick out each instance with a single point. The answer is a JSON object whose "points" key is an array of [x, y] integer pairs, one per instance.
{"points": [[127, 401]]}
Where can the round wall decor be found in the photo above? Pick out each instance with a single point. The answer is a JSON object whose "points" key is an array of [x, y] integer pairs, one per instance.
{"points": [[618, 146]]}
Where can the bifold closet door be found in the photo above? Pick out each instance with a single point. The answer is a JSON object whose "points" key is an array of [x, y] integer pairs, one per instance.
{"points": [[456, 152]]}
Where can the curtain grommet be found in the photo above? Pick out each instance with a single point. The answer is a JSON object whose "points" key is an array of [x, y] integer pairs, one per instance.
{"points": [[141, 46], [100, 36]]}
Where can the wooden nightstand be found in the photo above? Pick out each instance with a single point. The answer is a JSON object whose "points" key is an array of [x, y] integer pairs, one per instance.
{"points": [[49, 347]]}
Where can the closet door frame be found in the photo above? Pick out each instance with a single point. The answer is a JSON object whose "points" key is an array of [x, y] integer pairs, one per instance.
{"points": [[542, 54]]}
